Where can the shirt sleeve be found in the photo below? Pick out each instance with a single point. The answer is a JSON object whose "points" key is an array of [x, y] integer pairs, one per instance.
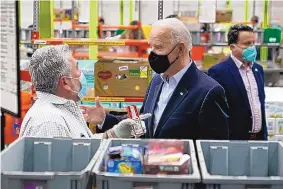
{"points": [[51, 129]]}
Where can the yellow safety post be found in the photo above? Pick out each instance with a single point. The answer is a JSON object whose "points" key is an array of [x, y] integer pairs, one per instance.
{"points": [[121, 12], [265, 24], [45, 19], [93, 24], [131, 12], [247, 10], [228, 4]]}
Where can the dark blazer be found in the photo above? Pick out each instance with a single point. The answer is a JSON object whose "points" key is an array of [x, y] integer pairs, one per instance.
{"points": [[240, 117], [196, 110]]}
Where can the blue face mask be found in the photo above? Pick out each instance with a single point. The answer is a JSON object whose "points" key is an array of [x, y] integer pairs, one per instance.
{"points": [[83, 89], [249, 54]]}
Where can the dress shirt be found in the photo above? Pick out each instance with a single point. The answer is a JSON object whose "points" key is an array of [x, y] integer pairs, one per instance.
{"points": [[252, 93], [169, 86], [53, 116]]}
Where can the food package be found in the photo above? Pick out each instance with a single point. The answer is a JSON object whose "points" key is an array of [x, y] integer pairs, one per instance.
{"points": [[124, 166], [126, 159], [271, 126], [224, 15], [180, 166], [65, 14], [166, 157], [164, 147], [279, 126], [274, 109]]}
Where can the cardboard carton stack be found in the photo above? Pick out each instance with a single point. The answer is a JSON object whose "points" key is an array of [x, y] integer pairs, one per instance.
{"points": [[122, 78]]}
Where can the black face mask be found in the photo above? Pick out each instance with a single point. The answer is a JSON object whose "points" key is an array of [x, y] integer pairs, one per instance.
{"points": [[160, 63]]}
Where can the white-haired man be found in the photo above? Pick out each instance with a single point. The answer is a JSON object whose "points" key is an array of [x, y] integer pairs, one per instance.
{"points": [[60, 85], [185, 102]]}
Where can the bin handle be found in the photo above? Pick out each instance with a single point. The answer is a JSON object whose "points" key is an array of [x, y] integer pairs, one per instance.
{"points": [[28, 175]]}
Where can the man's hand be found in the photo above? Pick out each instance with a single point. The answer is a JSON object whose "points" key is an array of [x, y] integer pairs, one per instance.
{"points": [[124, 129], [94, 114]]}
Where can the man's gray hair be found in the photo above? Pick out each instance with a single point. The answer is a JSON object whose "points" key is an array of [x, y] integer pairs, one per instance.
{"points": [[47, 65], [180, 32]]}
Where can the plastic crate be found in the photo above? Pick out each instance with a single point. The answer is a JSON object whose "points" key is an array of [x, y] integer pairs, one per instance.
{"points": [[49, 163], [105, 180], [241, 164]]}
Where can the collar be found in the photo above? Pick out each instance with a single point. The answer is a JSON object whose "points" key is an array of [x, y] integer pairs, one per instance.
{"points": [[178, 76], [52, 98], [239, 63]]}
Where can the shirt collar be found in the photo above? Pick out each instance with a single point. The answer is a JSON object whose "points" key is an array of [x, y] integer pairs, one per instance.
{"points": [[239, 63], [52, 98], [178, 76]]}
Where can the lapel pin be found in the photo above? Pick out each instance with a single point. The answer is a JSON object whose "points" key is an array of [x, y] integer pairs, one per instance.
{"points": [[256, 70], [181, 93]]}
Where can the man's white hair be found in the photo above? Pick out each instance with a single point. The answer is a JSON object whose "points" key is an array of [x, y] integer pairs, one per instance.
{"points": [[179, 31], [47, 65]]}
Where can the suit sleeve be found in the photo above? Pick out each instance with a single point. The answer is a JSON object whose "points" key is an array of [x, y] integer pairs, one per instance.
{"points": [[112, 120], [214, 74], [213, 116]]}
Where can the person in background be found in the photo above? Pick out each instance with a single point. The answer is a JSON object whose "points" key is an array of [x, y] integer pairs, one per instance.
{"points": [[243, 81], [60, 85], [129, 34], [172, 16], [255, 23], [184, 101], [29, 46], [100, 22]]}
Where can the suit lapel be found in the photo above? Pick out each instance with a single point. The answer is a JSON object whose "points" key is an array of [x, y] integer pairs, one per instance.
{"points": [[155, 99], [178, 96], [238, 78]]}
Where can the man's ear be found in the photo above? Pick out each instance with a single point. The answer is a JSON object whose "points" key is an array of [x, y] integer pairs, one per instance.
{"points": [[65, 83], [182, 48], [232, 47]]}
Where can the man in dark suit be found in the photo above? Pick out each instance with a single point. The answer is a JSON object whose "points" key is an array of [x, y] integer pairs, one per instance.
{"points": [[243, 81], [184, 102]]}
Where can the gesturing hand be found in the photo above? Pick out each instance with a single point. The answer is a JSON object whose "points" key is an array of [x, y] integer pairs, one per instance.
{"points": [[94, 114]]}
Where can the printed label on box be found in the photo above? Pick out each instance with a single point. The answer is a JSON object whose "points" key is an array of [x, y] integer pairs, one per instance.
{"points": [[143, 72], [123, 68], [134, 73]]}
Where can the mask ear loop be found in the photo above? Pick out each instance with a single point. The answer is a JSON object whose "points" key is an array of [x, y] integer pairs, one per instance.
{"points": [[171, 63], [172, 49], [69, 77]]}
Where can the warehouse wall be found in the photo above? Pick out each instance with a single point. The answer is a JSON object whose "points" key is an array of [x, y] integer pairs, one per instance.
{"points": [[110, 10]]}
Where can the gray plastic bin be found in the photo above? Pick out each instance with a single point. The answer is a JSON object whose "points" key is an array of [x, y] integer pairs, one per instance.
{"points": [[241, 164], [105, 180], [49, 163]]}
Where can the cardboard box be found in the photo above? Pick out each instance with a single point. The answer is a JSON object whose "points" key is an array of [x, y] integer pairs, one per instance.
{"points": [[104, 104], [210, 59], [223, 15], [65, 14], [122, 78]]}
